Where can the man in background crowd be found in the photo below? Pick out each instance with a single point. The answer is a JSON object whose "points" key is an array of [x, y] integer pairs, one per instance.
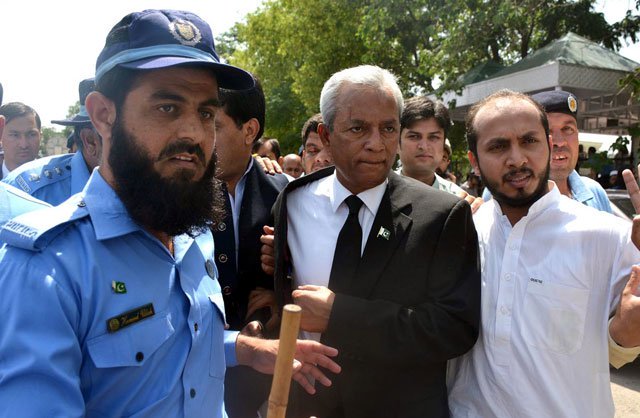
{"points": [[249, 194], [55, 178], [424, 126], [21, 136], [314, 154], [292, 165]]}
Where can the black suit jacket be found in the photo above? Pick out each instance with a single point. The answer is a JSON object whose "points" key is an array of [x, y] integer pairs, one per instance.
{"points": [[413, 304], [260, 192]]}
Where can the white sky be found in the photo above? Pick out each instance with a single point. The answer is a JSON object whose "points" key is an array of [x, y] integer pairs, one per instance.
{"points": [[49, 46]]}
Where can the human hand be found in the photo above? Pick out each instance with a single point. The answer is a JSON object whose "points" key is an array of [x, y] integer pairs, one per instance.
{"points": [[267, 258], [310, 356], [264, 298], [625, 325], [474, 202], [634, 196], [268, 166], [316, 303]]}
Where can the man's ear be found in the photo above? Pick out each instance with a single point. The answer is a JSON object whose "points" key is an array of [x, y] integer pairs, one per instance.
{"points": [[2, 120], [102, 112], [250, 129], [323, 133], [90, 142], [474, 162]]}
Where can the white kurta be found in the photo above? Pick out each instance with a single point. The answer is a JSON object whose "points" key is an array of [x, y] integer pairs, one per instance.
{"points": [[549, 284]]}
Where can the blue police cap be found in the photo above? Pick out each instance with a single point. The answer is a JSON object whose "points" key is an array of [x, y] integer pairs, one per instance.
{"points": [[82, 117], [558, 101], [154, 39]]}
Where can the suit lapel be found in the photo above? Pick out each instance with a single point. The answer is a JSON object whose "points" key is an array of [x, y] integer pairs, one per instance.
{"points": [[389, 226]]}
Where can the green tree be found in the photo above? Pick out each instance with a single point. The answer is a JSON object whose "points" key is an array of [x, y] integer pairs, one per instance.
{"points": [[294, 46]]}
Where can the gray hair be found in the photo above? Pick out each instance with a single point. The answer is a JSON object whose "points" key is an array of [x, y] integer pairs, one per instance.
{"points": [[369, 75]]}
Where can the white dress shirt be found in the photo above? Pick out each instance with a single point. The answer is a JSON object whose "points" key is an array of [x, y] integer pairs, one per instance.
{"points": [[316, 213], [5, 170], [549, 284]]}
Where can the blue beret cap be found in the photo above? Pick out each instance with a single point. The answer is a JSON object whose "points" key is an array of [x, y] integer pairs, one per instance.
{"points": [[82, 117], [154, 39], [558, 101]]}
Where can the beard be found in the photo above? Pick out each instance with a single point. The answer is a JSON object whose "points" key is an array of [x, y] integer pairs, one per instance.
{"points": [[174, 206], [521, 199]]}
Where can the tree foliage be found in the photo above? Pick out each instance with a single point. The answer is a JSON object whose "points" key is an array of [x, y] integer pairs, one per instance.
{"points": [[294, 46]]}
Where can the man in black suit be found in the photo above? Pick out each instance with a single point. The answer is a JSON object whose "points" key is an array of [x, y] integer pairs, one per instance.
{"points": [[249, 196], [397, 304]]}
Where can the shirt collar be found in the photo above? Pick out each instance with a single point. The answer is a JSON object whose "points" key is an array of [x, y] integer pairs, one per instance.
{"points": [[79, 173], [578, 189], [370, 197], [5, 169], [108, 214]]}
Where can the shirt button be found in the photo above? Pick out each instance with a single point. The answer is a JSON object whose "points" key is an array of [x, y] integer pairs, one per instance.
{"points": [[507, 277], [195, 327], [139, 356], [81, 204], [504, 310], [211, 271], [223, 258], [192, 393], [226, 290], [513, 247], [222, 226]]}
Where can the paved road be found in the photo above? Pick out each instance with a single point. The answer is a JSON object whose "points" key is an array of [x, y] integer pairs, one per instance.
{"points": [[625, 385]]}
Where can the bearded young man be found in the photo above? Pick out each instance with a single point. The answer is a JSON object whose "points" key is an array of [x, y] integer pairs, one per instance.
{"points": [[111, 304], [552, 272]]}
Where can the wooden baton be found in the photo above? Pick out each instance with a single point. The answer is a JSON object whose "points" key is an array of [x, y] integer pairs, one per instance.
{"points": [[279, 396]]}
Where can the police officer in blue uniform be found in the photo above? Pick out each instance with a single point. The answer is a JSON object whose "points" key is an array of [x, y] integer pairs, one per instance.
{"points": [[111, 304], [55, 178], [14, 202]]}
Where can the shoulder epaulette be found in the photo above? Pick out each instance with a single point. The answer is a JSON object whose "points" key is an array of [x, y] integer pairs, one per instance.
{"points": [[40, 173], [34, 230]]}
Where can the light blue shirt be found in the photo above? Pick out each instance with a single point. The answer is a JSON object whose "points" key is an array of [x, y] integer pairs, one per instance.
{"points": [[51, 179], [62, 277], [583, 189], [13, 202]]}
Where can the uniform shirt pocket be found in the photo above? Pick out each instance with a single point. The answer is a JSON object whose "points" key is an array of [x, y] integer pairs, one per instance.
{"points": [[554, 316], [131, 346], [217, 364]]}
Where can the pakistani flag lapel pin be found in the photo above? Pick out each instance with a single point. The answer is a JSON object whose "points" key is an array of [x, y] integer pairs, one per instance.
{"points": [[384, 233]]}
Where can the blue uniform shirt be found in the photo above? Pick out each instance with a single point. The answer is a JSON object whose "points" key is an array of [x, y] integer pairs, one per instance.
{"points": [[99, 319], [583, 189], [13, 202], [51, 179]]}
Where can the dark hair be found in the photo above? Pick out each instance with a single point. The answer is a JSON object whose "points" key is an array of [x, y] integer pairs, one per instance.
{"points": [[243, 105], [14, 110], [311, 125], [274, 144], [117, 83], [422, 108], [472, 135]]}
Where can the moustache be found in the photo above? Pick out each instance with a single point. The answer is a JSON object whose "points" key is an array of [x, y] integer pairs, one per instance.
{"points": [[180, 147], [516, 173]]}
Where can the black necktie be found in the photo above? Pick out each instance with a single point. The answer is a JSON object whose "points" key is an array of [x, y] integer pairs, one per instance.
{"points": [[347, 255]]}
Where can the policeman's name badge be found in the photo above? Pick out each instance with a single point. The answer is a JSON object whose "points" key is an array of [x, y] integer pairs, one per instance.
{"points": [[118, 287], [384, 233], [130, 317]]}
